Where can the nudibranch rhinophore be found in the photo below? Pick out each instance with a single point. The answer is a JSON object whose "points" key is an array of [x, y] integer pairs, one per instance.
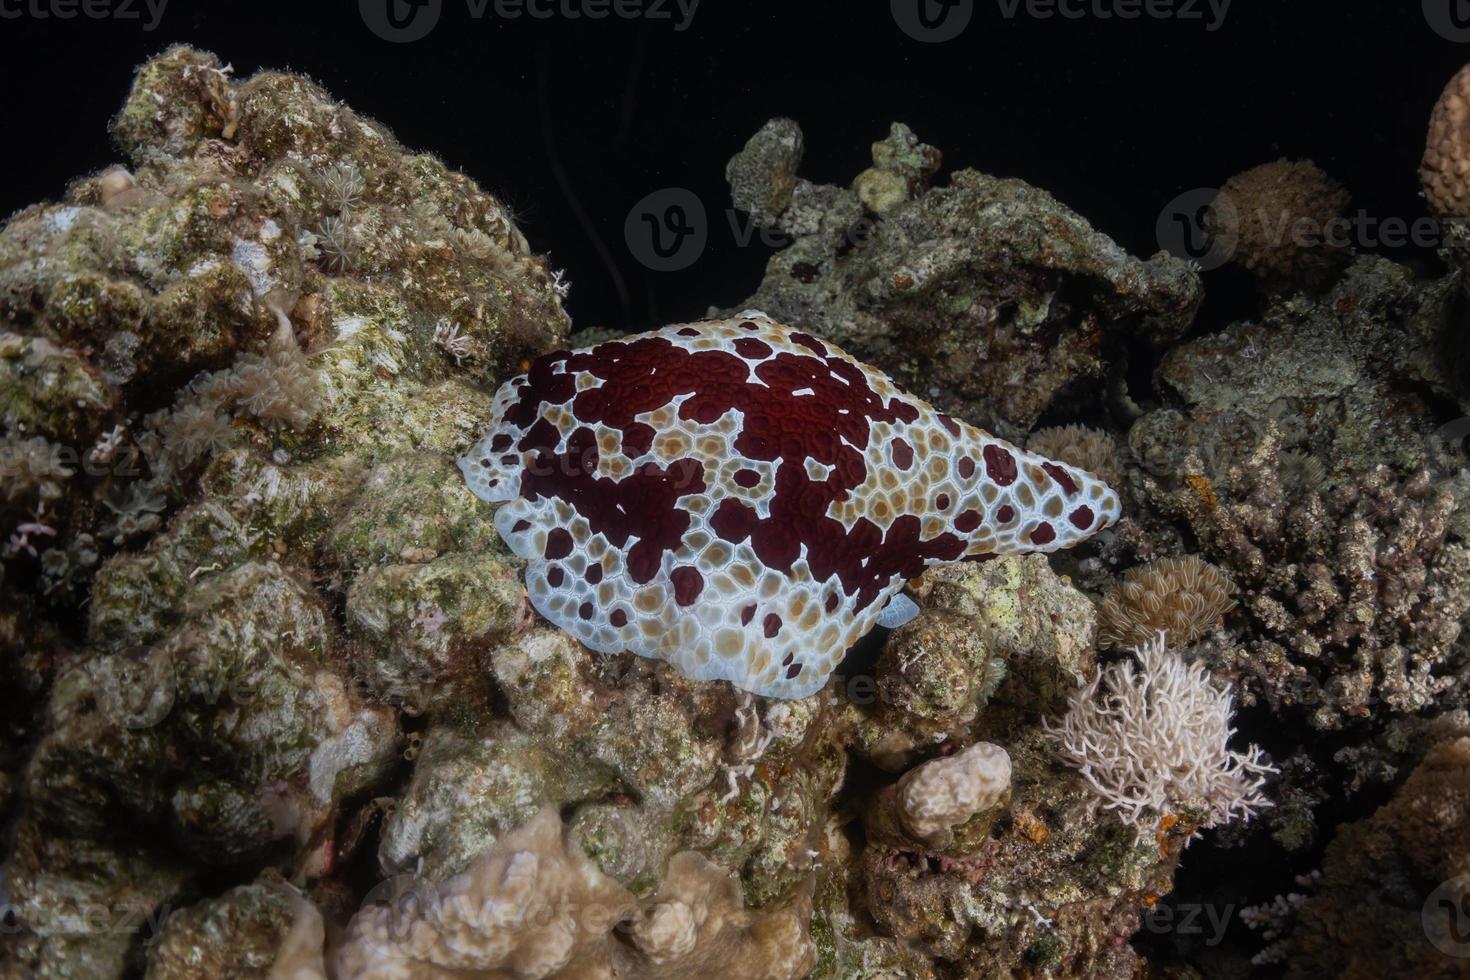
{"points": [[744, 500]]}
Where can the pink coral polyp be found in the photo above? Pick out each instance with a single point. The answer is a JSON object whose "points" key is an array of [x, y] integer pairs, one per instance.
{"points": [[742, 499]]}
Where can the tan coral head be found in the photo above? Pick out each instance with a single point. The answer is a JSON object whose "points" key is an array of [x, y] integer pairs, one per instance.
{"points": [[746, 500]]}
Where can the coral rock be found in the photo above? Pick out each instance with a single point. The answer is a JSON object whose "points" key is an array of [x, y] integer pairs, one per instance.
{"points": [[1447, 150], [943, 793]]}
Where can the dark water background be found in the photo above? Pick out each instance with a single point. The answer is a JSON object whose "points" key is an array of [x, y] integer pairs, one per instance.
{"points": [[575, 120]]}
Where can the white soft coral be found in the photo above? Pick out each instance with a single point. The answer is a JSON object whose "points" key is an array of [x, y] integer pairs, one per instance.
{"points": [[1159, 739]]}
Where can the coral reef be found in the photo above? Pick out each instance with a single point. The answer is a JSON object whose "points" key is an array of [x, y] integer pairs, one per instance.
{"points": [[274, 702], [1391, 897], [200, 703], [986, 296]]}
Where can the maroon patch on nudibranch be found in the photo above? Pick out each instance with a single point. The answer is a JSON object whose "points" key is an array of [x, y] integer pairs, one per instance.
{"points": [[733, 521], [830, 423], [810, 343], [902, 453], [772, 625], [747, 479], [747, 614], [967, 468], [520, 526], [752, 349], [593, 575], [619, 618], [792, 671], [1083, 518], [950, 424], [1005, 514], [831, 602], [967, 521], [637, 439], [558, 544], [688, 583], [1000, 466], [1063, 478], [585, 610], [1044, 534], [941, 502], [688, 332], [555, 576], [501, 443]]}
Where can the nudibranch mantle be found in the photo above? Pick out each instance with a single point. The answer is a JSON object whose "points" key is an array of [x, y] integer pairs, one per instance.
{"points": [[743, 499]]}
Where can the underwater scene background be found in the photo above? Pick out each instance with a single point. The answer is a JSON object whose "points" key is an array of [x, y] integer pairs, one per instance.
{"points": [[656, 489]]}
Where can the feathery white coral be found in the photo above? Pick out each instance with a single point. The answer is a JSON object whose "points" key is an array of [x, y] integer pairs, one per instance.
{"points": [[1159, 738]]}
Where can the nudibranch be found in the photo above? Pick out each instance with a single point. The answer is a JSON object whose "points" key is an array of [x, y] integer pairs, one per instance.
{"points": [[746, 501]]}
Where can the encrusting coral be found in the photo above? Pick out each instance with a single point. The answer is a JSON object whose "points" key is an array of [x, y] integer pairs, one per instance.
{"points": [[535, 906], [1179, 597]]}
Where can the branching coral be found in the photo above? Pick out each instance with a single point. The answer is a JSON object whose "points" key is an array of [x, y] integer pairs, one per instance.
{"points": [[1180, 597], [1394, 888], [1158, 741]]}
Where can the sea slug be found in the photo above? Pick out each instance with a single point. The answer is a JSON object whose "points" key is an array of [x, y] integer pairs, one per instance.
{"points": [[745, 501]]}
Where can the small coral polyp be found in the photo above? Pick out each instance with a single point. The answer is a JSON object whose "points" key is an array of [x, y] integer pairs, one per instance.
{"points": [[742, 499]]}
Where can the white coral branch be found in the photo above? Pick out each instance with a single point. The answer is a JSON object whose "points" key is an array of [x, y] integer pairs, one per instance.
{"points": [[1158, 738]]}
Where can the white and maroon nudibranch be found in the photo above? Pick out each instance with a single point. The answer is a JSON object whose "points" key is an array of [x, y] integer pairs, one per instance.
{"points": [[743, 500]]}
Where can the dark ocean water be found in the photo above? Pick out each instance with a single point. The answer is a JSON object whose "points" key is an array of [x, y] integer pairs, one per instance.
{"points": [[574, 118]]}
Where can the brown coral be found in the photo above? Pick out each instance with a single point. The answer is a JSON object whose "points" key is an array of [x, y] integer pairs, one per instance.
{"points": [[1391, 899], [1181, 597], [1077, 445], [1445, 171], [1279, 221]]}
